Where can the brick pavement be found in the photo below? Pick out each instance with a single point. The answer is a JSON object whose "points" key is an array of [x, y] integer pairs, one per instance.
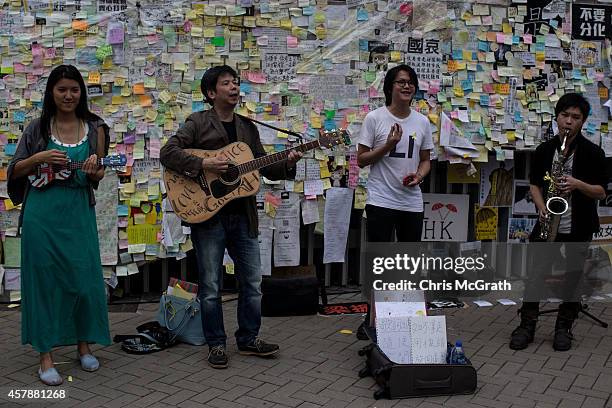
{"points": [[318, 366]]}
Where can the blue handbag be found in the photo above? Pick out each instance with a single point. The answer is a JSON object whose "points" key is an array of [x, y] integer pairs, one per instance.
{"points": [[182, 319]]}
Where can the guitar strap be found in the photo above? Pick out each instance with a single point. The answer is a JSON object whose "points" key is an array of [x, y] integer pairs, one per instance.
{"points": [[288, 132]]}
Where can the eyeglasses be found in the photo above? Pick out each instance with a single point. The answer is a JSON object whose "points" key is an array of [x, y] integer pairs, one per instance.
{"points": [[402, 83]]}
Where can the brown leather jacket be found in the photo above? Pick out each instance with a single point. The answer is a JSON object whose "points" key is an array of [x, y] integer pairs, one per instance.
{"points": [[204, 130]]}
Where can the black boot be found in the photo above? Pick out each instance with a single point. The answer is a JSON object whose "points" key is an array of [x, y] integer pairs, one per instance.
{"points": [[563, 334], [523, 335], [361, 332]]}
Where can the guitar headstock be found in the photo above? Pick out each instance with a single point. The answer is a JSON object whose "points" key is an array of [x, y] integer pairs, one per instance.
{"points": [[334, 137], [115, 162]]}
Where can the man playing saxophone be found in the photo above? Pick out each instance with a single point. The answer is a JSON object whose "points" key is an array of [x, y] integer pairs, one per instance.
{"points": [[568, 178]]}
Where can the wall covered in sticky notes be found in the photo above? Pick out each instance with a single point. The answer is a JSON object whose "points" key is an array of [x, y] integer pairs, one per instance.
{"points": [[489, 77]]}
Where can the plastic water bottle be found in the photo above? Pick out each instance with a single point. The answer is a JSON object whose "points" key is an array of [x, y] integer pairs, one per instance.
{"points": [[457, 355]]}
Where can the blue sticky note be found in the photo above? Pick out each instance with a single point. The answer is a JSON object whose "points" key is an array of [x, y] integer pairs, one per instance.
{"points": [[245, 87], [481, 130], [197, 106], [10, 148], [590, 128], [483, 46], [516, 39], [466, 85], [122, 210], [553, 23], [329, 124], [308, 11], [363, 45], [576, 73], [517, 116], [484, 100], [457, 54], [362, 14], [19, 116]]}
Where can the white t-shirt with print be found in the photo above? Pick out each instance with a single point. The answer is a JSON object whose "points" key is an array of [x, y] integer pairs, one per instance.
{"points": [[385, 188]]}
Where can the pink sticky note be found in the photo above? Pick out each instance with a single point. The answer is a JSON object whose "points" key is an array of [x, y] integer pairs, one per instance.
{"points": [[272, 199], [292, 42], [528, 38], [256, 77], [500, 38]]}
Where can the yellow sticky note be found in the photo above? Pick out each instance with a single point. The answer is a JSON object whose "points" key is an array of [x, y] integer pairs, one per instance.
{"points": [[209, 49], [93, 77], [151, 115], [395, 56], [129, 188], [324, 169], [165, 96], [119, 81], [360, 198], [326, 184], [139, 218], [298, 186], [315, 121], [8, 204], [269, 209]]}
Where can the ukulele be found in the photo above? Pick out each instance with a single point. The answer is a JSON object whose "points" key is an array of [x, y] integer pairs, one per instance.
{"points": [[45, 173]]}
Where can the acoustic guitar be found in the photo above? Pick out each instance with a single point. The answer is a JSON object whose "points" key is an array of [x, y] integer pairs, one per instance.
{"points": [[45, 173], [197, 199]]}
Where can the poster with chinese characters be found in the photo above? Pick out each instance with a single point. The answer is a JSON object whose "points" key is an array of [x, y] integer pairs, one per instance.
{"points": [[590, 21], [424, 56]]}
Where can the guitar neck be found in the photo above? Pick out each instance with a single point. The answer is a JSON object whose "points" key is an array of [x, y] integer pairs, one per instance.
{"points": [[268, 160], [75, 165]]}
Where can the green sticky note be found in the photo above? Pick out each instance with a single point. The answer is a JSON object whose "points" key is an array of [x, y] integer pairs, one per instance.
{"points": [[330, 114], [370, 76], [218, 41], [296, 100], [12, 252]]}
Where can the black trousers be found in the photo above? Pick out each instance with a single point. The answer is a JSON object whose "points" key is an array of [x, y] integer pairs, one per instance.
{"points": [[383, 222], [541, 261]]}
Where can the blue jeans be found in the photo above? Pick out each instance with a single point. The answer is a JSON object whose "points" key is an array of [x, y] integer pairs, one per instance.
{"points": [[210, 240]]}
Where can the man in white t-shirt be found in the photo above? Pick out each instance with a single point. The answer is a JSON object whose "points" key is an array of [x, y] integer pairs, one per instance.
{"points": [[396, 142]]}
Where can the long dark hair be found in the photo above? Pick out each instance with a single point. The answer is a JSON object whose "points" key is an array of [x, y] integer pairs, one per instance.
{"points": [[49, 108]]}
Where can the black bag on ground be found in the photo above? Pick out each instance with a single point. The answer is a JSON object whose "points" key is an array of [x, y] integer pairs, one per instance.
{"points": [[151, 338], [289, 296]]}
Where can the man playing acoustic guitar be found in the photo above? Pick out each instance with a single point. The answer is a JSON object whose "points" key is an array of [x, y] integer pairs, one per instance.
{"points": [[235, 226]]}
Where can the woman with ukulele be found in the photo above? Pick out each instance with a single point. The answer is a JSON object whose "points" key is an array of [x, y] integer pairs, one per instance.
{"points": [[63, 295]]}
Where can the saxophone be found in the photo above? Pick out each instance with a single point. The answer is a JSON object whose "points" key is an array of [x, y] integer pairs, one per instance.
{"points": [[557, 202]]}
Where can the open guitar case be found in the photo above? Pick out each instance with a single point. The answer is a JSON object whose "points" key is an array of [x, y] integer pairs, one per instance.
{"points": [[414, 380]]}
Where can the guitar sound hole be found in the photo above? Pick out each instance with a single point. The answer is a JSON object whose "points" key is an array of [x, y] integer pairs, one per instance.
{"points": [[231, 176]]}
